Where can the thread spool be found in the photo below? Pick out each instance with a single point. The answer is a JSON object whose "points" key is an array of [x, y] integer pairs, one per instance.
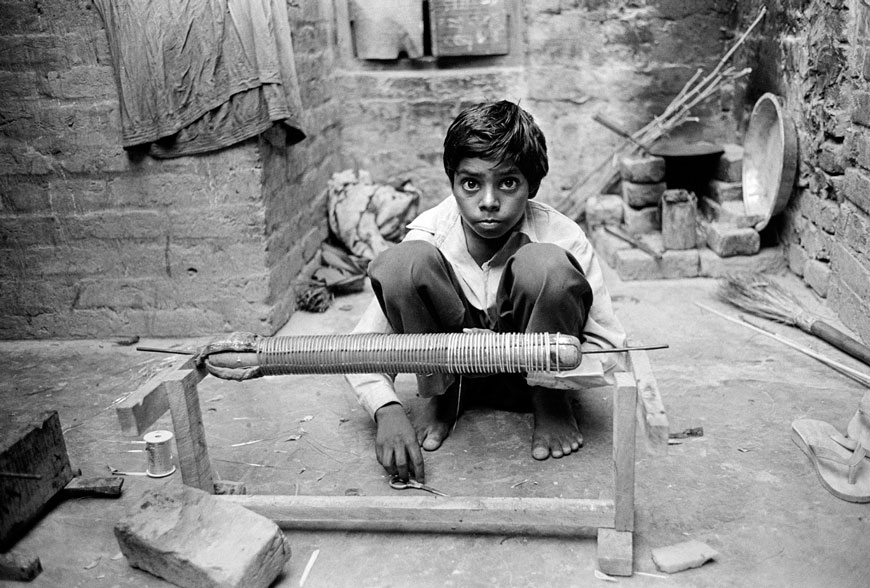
{"points": [[158, 448]]}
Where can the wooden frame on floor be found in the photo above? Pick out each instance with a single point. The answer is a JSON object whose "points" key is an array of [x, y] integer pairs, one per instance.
{"points": [[636, 400]]}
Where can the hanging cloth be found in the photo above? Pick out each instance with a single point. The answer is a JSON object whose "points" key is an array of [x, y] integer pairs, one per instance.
{"points": [[198, 75]]}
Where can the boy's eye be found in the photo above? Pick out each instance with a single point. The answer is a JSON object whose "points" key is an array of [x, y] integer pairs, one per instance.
{"points": [[469, 185], [509, 184]]}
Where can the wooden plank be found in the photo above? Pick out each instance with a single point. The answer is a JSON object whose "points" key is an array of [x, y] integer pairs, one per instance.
{"points": [[108, 487], [615, 552], [416, 514], [651, 410], [469, 27], [148, 403], [183, 398], [624, 418], [35, 467]]}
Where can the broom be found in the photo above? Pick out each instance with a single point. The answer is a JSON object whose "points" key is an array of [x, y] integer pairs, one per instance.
{"points": [[754, 293]]}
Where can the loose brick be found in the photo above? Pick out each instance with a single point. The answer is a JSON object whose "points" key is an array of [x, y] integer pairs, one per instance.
{"points": [[194, 539], [767, 260], [729, 169], [726, 240], [642, 170], [642, 220], [640, 195], [731, 212], [633, 264], [817, 275], [721, 191], [604, 209]]}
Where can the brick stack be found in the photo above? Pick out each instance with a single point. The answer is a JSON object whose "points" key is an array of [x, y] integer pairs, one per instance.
{"points": [[727, 229], [643, 183]]}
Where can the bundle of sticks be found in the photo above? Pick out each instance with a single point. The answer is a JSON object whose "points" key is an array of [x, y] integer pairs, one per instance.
{"points": [[698, 89]]}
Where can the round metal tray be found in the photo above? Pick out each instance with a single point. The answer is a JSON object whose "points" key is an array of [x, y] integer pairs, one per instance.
{"points": [[769, 160]]}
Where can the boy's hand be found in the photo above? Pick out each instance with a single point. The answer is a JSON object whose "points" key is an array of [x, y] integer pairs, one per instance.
{"points": [[396, 446]]}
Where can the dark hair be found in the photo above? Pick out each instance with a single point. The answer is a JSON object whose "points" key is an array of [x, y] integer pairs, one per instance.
{"points": [[499, 131]]}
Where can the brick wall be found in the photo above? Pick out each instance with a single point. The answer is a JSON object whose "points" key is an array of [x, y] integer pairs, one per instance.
{"points": [[569, 60], [97, 242], [815, 56]]}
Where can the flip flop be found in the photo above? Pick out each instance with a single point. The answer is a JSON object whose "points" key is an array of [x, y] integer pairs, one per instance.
{"points": [[843, 473]]}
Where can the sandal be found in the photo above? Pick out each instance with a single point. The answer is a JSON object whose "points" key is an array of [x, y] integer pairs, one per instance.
{"points": [[841, 471]]}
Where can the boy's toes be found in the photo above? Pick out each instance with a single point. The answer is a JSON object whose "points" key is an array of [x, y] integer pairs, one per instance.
{"points": [[540, 450], [432, 437]]}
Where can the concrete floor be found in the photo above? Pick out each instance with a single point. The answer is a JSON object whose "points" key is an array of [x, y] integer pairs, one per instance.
{"points": [[743, 488]]}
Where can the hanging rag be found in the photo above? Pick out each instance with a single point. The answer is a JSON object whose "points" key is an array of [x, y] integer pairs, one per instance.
{"points": [[198, 75]]}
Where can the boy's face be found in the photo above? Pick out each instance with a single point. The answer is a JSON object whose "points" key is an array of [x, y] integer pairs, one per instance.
{"points": [[491, 196]]}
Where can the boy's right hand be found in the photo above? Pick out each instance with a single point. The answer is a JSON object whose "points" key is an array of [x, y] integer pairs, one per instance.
{"points": [[396, 445]]}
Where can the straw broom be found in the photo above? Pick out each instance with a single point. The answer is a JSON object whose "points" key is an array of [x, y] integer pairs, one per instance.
{"points": [[758, 295]]}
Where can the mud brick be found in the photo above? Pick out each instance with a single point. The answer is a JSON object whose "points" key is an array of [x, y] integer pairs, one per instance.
{"points": [[727, 240], [642, 170], [642, 220], [640, 195], [33, 449], [604, 209], [633, 264], [193, 539], [731, 212], [730, 166], [767, 260], [725, 191], [818, 274]]}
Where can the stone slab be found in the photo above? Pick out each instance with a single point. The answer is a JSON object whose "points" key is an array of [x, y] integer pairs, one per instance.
{"points": [[195, 540], [725, 191]]}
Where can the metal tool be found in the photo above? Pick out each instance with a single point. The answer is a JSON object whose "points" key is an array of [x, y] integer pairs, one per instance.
{"points": [[397, 483]]}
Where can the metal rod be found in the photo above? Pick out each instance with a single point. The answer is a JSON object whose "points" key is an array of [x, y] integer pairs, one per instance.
{"points": [[626, 349], [161, 350], [20, 475]]}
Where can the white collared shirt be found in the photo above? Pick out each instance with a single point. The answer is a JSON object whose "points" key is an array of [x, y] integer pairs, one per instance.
{"points": [[442, 226]]}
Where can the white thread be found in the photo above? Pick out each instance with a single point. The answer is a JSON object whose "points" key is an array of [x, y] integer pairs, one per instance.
{"points": [[158, 447]]}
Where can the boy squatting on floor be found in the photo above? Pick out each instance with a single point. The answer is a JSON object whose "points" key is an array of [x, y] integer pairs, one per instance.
{"points": [[489, 257]]}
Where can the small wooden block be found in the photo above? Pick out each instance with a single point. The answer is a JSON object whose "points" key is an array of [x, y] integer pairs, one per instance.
{"points": [[34, 460], [196, 540], [19, 566], [109, 487], [615, 552]]}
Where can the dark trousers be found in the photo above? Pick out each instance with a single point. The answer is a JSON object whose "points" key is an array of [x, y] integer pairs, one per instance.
{"points": [[543, 289]]}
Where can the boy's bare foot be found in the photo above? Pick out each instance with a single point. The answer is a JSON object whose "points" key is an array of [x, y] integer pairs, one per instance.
{"points": [[556, 431], [437, 418]]}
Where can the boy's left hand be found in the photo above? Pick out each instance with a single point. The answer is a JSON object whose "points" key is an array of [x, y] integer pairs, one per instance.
{"points": [[396, 445]]}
